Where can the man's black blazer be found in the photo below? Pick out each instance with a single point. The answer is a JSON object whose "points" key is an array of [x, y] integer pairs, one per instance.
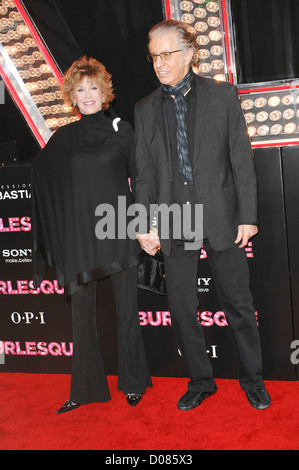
{"points": [[223, 165]]}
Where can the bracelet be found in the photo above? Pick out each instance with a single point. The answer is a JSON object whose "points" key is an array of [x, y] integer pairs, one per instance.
{"points": [[153, 229]]}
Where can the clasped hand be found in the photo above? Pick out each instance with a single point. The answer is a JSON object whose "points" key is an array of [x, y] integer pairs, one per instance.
{"points": [[149, 242]]}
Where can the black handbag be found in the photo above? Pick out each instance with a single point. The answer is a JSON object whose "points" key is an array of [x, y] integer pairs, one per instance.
{"points": [[151, 274]]}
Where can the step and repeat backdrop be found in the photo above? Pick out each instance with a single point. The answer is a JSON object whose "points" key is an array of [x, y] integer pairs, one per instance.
{"points": [[36, 325]]}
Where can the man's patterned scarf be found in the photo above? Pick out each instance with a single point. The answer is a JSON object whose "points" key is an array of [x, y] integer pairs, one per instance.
{"points": [[180, 106]]}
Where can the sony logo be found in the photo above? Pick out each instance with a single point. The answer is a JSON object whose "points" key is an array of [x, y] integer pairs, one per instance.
{"points": [[15, 252]]}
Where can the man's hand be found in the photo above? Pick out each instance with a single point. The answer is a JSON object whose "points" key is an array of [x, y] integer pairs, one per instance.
{"points": [[245, 232], [149, 242]]}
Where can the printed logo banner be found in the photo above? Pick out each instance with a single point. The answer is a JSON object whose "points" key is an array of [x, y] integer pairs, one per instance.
{"points": [[36, 324]]}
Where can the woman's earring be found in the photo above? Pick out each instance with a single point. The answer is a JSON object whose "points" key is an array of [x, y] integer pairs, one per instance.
{"points": [[74, 104]]}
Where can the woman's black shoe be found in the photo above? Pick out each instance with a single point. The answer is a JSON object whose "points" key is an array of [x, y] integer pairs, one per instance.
{"points": [[133, 398], [68, 406]]}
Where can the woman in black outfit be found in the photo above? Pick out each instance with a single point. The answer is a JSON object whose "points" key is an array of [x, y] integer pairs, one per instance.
{"points": [[85, 164]]}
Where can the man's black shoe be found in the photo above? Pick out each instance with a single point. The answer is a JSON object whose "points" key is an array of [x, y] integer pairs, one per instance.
{"points": [[259, 398], [193, 399]]}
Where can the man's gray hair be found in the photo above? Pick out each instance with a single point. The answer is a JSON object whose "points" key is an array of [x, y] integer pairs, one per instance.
{"points": [[186, 38]]}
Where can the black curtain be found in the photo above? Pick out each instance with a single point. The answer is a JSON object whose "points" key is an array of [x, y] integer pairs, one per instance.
{"points": [[115, 33], [266, 39]]}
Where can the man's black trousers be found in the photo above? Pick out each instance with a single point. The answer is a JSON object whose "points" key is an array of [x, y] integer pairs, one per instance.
{"points": [[231, 276]]}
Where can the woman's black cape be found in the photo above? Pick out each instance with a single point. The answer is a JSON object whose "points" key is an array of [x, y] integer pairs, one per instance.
{"points": [[84, 164]]}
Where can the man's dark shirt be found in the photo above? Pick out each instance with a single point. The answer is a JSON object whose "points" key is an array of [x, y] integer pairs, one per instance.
{"points": [[182, 192]]}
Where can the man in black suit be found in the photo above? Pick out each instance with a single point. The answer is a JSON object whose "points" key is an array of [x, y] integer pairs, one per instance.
{"points": [[192, 148]]}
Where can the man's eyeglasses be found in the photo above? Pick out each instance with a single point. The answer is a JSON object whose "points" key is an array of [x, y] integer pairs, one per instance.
{"points": [[163, 56]]}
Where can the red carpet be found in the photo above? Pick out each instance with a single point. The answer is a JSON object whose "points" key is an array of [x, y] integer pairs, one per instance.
{"points": [[225, 421]]}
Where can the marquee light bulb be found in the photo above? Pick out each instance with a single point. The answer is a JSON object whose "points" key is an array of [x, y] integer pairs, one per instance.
{"points": [[274, 101], [276, 129], [290, 128], [263, 130], [213, 7], [186, 6], [200, 12]]}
